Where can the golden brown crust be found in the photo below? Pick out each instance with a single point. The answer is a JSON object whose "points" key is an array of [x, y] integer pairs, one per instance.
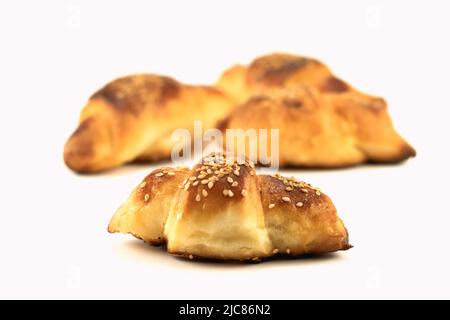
{"points": [[323, 121], [334, 85], [372, 127], [226, 222], [275, 188], [279, 70], [300, 218], [132, 118], [311, 133], [145, 212], [262, 216], [275, 69], [132, 94], [210, 179]]}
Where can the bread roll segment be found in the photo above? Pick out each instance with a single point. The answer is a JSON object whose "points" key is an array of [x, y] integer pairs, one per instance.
{"points": [[145, 212], [221, 209], [221, 216], [310, 133], [299, 218], [278, 70], [323, 121], [132, 118]]}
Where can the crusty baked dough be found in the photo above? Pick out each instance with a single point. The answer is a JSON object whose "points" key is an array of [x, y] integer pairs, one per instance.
{"points": [[132, 118], [145, 212], [223, 210], [302, 220], [324, 121], [278, 70], [318, 130]]}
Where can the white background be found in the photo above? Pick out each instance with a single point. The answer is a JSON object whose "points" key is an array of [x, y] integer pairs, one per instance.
{"points": [[55, 54]]}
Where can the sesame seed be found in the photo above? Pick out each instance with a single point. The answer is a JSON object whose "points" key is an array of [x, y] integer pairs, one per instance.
{"points": [[286, 199], [209, 171], [272, 205], [225, 192], [230, 180], [244, 192], [299, 204], [236, 172], [159, 174], [142, 185], [210, 184], [198, 198], [289, 189], [255, 259], [304, 190], [234, 184], [201, 176], [195, 183], [146, 197], [187, 185], [171, 173], [318, 192], [205, 181], [288, 251], [193, 178], [204, 193], [230, 193], [191, 256], [275, 251]]}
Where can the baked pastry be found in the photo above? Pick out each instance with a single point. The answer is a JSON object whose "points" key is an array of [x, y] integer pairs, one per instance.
{"points": [[317, 130], [222, 210], [323, 121], [280, 70], [132, 119]]}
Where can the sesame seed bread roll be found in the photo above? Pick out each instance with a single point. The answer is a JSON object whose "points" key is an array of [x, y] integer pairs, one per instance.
{"points": [[323, 121], [132, 119], [300, 219], [145, 212], [222, 210], [221, 217]]}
